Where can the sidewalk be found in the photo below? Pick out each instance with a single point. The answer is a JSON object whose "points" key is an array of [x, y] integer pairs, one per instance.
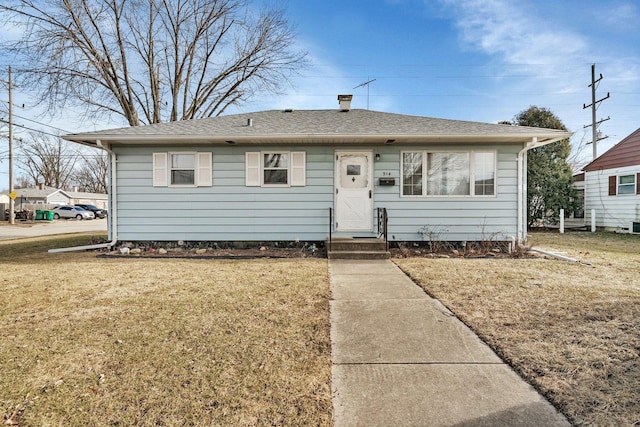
{"points": [[400, 358]]}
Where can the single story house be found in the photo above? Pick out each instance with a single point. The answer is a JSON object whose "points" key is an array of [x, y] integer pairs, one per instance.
{"points": [[50, 196], [288, 175], [612, 186], [99, 200], [41, 195]]}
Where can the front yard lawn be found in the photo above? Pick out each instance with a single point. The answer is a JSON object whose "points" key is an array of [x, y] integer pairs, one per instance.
{"points": [[90, 341], [571, 330]]}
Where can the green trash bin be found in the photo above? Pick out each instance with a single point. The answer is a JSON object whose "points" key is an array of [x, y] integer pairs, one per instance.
{"points": [[39, 214], [48, 215]]}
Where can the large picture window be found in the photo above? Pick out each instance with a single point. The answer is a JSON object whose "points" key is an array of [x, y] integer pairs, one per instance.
{"points": [[464, 173], [448, 174]]}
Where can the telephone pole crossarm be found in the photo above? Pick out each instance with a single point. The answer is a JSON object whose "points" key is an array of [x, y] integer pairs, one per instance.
{"points": [[594, 106]]}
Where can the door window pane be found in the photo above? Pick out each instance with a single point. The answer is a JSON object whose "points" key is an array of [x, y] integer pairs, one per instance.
{"points": [[354, 170]]}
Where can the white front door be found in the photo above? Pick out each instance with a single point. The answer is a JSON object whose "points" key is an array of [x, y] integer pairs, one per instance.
{"points": [[354, 202]]}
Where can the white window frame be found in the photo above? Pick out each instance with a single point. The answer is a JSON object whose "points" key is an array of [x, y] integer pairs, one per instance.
{"points": [[202, 170], [296, 169], [633, 184], [425, 174], [263, 168], [170, 169]]}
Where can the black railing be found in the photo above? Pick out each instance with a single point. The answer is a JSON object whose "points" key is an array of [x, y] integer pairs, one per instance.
{"points": [[383, 226], [330, 226]]}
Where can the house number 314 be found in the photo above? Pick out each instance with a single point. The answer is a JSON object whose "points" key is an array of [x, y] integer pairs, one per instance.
{"points": [[386, 173]]}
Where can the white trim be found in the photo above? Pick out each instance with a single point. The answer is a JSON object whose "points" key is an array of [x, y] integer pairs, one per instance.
{"points": [[204, 169], [635, 185], [370, 188], [252, 168], [298, 168], [170, 168], [160, 170], [262, 169]]}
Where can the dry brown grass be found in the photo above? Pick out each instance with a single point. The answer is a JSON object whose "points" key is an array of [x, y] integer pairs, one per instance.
{"points": [[571, 330], [88, 341]]}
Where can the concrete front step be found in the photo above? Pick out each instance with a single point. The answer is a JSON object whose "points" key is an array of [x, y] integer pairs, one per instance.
{"points": [[358, 255], [362, 248]]}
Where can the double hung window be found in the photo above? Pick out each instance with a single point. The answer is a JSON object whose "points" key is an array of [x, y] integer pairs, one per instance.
{"points": [[276, 169], [627, 184], [182, 169]]}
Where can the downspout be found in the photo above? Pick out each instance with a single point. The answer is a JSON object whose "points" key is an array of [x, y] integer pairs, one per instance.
{"points": [[112, 223], [522, 235], [522, 183]]}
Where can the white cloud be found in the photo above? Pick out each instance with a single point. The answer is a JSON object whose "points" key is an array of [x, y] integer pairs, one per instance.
{"points": [[619, 17], [508, 29]]}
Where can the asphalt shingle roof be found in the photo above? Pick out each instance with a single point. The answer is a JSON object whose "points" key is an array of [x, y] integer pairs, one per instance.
{"points": [[317, 126]]}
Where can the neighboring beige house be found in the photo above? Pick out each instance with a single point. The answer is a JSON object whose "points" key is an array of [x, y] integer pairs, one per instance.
{"points": [[41, 195], [612, 186], [47, 197], [97, 199]]}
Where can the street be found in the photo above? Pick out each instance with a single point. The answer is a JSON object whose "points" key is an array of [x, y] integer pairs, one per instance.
{"points": [[44, 228]]}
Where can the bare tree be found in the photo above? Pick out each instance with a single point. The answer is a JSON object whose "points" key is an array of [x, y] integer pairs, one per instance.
{"points": [[47, 161], [92, 172], [24, 182], [151, 60]]}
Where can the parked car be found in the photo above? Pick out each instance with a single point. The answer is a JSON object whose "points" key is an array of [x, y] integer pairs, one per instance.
{"points": [[99, 213], [72, 212]]}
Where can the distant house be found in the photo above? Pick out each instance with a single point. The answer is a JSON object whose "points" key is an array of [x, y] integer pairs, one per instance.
{"points": [[97, 199], [51, 196], [285, 175], [41, 195], [612, 186]]}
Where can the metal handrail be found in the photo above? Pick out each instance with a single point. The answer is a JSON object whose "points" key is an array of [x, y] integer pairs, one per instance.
{"points": [[383, 225], [330, 226]]}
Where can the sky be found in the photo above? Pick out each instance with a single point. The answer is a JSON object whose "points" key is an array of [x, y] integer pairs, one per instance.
{"points": [[477, 60]]}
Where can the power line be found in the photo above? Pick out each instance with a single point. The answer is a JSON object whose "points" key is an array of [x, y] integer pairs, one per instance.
{"points": [[41, 124], [31, 129]]}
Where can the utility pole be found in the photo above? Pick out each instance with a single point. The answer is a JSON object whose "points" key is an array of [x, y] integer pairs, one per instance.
{"points": [[11, 192], [594, 106]]}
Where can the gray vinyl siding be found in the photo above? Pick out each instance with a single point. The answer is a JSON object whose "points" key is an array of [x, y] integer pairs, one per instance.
{"points": [[231, 211]]}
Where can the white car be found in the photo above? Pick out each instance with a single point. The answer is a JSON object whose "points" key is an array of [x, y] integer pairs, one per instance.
{"points": [[72, 212]]}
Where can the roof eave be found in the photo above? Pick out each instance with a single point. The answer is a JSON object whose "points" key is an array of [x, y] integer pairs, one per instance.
{"points": [[91, 140]]}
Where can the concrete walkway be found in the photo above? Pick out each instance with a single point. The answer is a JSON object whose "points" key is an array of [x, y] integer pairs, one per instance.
{"points": [[400, 358]]}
